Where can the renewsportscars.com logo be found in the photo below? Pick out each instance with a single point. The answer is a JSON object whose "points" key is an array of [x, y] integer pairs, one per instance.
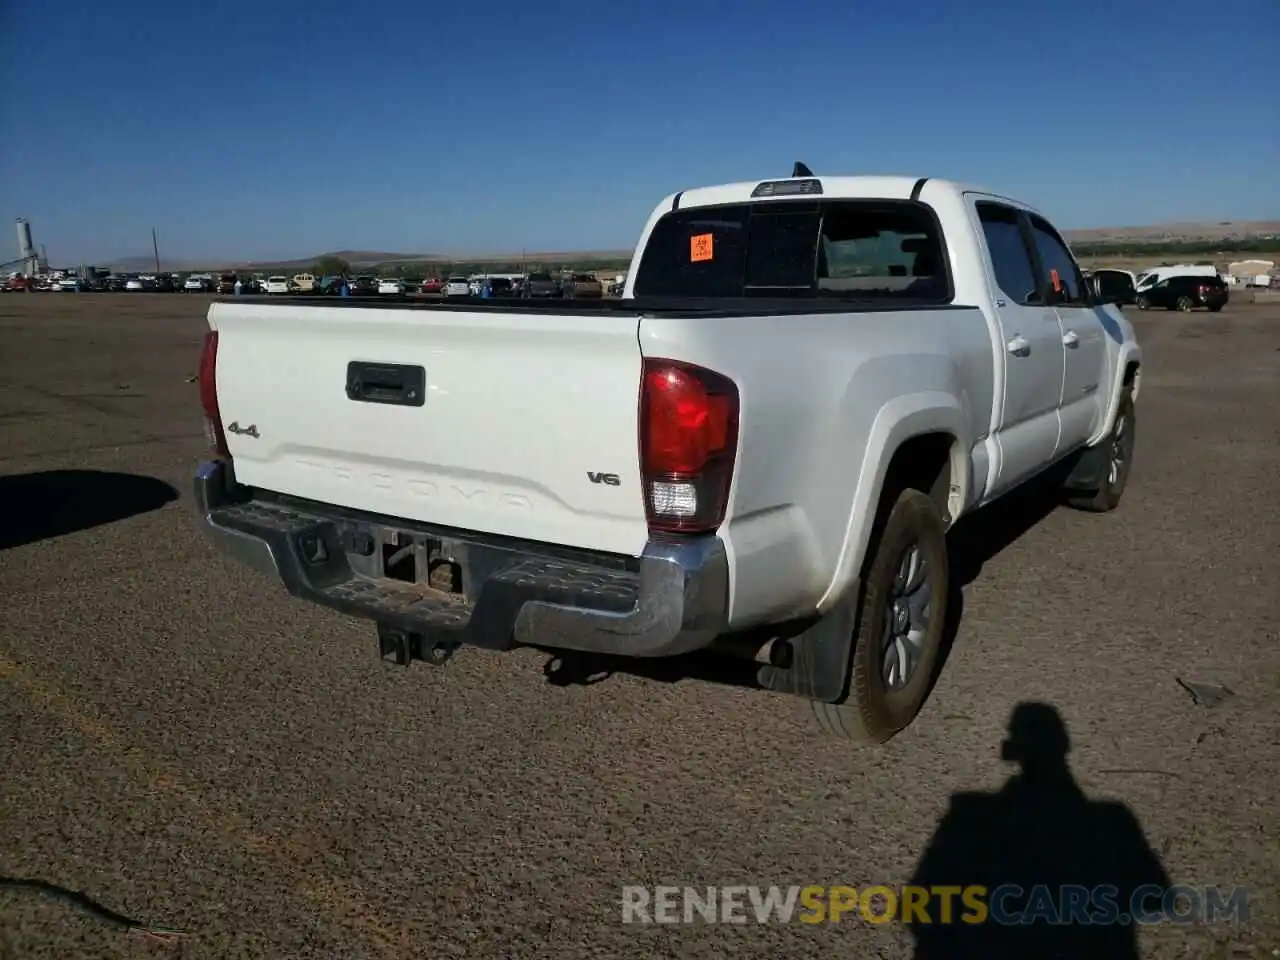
{"points": [[1006, 905]]}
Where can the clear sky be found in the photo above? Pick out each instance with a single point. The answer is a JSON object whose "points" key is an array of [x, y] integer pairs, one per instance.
{"points": [[244, 130]]}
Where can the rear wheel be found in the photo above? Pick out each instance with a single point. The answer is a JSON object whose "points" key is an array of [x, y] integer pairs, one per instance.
{"points": [[899, 629], [1119, 461], [1142, 303], [1184, 305]]}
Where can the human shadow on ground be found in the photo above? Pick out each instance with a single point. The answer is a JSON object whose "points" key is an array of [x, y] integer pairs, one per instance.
{"points": [[52, 503], [1063, 874], [971, 543]]}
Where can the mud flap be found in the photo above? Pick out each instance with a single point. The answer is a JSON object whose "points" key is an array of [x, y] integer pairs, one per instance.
{"points": [[815, 662], [1089, 471]]}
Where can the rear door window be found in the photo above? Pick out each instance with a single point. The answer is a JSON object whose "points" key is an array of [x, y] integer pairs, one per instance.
{"points": [[1061, 275], [1010, 256]]}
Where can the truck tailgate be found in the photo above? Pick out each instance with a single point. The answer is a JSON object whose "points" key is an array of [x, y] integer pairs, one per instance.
{"points": [[526, 425]]}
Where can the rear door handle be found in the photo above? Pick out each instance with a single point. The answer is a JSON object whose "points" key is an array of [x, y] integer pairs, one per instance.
{"points": [[1019, 346], [1071, 339]]}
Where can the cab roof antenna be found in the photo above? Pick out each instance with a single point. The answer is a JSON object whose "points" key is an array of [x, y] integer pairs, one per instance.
{"points": [[800, 170]]}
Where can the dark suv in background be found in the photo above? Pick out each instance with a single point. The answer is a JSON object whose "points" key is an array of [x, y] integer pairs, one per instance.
{"points": [[1186, 294]]}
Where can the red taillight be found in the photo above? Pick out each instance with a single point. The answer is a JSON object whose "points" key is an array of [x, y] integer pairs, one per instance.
{"points": [[688, 443], [208, 377]]}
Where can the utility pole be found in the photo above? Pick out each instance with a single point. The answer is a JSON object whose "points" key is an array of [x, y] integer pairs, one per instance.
{"points": [[155, 248]]}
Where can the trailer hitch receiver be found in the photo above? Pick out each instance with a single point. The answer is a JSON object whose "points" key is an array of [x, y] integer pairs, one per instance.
{"points": [[402, 647]]}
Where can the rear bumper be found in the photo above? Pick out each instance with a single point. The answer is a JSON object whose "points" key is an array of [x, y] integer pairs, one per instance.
{"points": [[674, 599]]}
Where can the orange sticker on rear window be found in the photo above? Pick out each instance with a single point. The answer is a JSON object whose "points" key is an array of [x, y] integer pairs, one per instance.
{"points": [[1057, 281], [701, 247]]}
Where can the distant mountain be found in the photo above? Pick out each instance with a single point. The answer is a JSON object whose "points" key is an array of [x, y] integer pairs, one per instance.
{"points": [[1207, 232]]}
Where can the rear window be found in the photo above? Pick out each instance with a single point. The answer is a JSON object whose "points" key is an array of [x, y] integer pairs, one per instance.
{"points": [[846, 249]]}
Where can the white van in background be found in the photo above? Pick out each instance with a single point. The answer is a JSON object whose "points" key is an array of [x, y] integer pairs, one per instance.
{"points": [[1148, 279]]}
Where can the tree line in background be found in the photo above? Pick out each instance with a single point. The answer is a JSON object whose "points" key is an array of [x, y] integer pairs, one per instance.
{"points": [[333, 266], [1208, 249]]}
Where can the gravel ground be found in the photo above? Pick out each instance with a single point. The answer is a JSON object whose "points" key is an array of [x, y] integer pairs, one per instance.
{"points": [[187, 746]]}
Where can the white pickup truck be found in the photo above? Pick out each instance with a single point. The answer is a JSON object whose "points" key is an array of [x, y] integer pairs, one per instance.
{"points": [[806, 382]]}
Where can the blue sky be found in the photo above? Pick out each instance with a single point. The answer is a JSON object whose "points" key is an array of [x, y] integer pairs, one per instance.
{"points": [[282, 130]]}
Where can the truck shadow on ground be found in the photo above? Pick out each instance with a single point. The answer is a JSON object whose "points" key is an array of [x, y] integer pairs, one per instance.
{"points": [[971, 543], [1064, 876], [85, 904], [52, 503]]}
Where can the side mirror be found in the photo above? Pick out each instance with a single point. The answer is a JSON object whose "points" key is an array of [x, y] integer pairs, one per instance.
{"points": [[1095, 285]]}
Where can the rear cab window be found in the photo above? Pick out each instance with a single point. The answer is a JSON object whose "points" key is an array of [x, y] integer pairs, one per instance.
{"points": [[864, 250]]}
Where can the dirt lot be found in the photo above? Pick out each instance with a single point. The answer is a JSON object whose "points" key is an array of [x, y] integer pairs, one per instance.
{"points": [[187, 746]]}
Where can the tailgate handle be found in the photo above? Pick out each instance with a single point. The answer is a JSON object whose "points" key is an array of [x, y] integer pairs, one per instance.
{"points": [[386, 383]]}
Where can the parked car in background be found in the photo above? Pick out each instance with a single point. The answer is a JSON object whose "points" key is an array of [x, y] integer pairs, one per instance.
{"points": [[227, 284], [433, 285], [457, 287], [540, 286], [277, 285], [134, 284], [69, 284], [391, 285], [303, 283], [193, 285], [495, 287], [581, 286], [1114, 285], [364, 286], [1185, 293], [1149, 278]]}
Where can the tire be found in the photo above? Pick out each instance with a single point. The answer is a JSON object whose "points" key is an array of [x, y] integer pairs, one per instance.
{"points": [[1121, 440], [1184, 305], [1217, 309], [1142, 303], [872, 712]]}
